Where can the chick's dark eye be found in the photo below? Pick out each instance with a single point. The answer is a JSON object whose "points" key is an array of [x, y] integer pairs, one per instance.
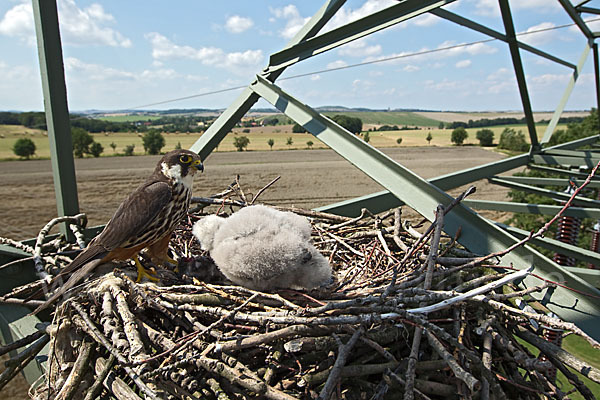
{"points": [[186, 159]]}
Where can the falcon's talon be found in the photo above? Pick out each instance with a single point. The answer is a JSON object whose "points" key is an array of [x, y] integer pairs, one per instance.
{"points": [[143, 272], [172, 261]]}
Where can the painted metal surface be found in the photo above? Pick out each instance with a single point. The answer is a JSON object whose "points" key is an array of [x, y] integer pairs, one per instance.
{"points": [[55, 105], [569, 250], [561, 182], [234, 113], [526, 208], [565, 97], [519, 73], [354, 30], [560, 196], [477, 234]]}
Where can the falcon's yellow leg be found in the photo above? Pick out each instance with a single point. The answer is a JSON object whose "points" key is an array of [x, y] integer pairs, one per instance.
{"points": [[143, 272]]}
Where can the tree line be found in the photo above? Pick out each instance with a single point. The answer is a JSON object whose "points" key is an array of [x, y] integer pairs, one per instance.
{"points": [[485, 122]]}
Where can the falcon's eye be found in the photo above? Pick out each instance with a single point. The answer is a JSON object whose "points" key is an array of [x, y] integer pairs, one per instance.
{"points": [[186, 159]]}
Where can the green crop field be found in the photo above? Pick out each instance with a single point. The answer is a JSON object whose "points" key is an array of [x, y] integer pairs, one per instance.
{"points": [[389, 118], [129, 118], [258, 136]]}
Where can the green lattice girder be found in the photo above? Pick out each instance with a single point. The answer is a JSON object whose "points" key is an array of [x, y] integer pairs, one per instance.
{"points": [[477, 234], [527, 208]]}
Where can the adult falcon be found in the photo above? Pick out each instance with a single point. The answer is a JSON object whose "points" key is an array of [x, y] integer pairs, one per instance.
{"points": [[144, 220]]}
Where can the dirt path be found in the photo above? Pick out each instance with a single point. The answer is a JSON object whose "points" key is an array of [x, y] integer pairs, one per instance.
{"points": [[309, 178]]}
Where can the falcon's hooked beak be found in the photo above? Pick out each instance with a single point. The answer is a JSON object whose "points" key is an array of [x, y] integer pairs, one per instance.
{"points": [[198, 165]]}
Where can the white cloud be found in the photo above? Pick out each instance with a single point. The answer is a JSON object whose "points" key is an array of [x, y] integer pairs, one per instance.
{"points": [[411, 68], [445, 84], [550, 79], [463, 64], [237, 24], [426, 20], [96, 72], [337, 64], [530, 36], [346, 14], [294, 20], [18, 22], [315, 77], [78, 26], [163, 48], [501, 81], [490, 8], [359, 48]]}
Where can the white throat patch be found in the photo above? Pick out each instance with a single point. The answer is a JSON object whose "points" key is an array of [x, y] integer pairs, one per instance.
{"points": [[174, 173]]}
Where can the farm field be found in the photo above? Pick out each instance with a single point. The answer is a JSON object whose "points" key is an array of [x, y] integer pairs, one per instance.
{"points": [[309, 178], [258, 139]]}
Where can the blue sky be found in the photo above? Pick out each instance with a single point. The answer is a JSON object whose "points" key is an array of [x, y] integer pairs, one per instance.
{"points": [[124, 54]]}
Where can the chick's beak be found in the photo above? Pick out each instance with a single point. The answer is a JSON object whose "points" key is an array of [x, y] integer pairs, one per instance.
{"points": [[198, 165]]}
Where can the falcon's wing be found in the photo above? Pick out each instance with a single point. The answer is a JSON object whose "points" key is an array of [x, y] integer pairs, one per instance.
{"points": [[134, 214]]}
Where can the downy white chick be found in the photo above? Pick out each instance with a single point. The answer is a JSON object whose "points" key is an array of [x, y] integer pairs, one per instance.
{"points": [[261, 248]]}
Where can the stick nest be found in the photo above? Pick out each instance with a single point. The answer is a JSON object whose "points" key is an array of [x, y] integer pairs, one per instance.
{"points": [[409, 314]]}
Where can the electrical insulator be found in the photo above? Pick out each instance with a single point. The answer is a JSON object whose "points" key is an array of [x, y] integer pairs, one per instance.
{"points": [[595, 245]]}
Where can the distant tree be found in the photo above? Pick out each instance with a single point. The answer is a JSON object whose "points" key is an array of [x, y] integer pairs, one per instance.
{"points": [[96, 149], [485, 137], [351, 124], [271, 121], [367, 137], [128, 151], [587, 127], [271, 142], [289, 141], [113, 145], [399, 140], [153, 141], [441, 125], [246, 130], [459, 135], [82, 141], [297, 128], [178, 146], [309, 144], [512, 140], [428, 138], [241, 142], [24, 148]]}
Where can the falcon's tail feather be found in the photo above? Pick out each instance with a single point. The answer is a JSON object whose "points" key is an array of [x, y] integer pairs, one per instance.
{"points": [[83, 264]]}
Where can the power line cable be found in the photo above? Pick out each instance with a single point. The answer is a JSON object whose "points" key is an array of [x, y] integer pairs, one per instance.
{"points": [[414, 54]]}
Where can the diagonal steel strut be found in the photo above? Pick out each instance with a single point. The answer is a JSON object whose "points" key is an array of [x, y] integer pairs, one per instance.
{"points": [[478, 235]]}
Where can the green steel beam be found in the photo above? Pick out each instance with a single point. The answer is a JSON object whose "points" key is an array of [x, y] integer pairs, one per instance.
{"points": [[577, 201], [57, 112], [450, 16], [352, 31], [384, 200], [597, 78], [552, 170], [592, 276], [557, 246], [581, 4], [572, 153], [519, 73], [562, 182], [565, 97], [550, 159], [570, 9], [234, 113], [477, 234], [526, 208], [589, 10]]}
